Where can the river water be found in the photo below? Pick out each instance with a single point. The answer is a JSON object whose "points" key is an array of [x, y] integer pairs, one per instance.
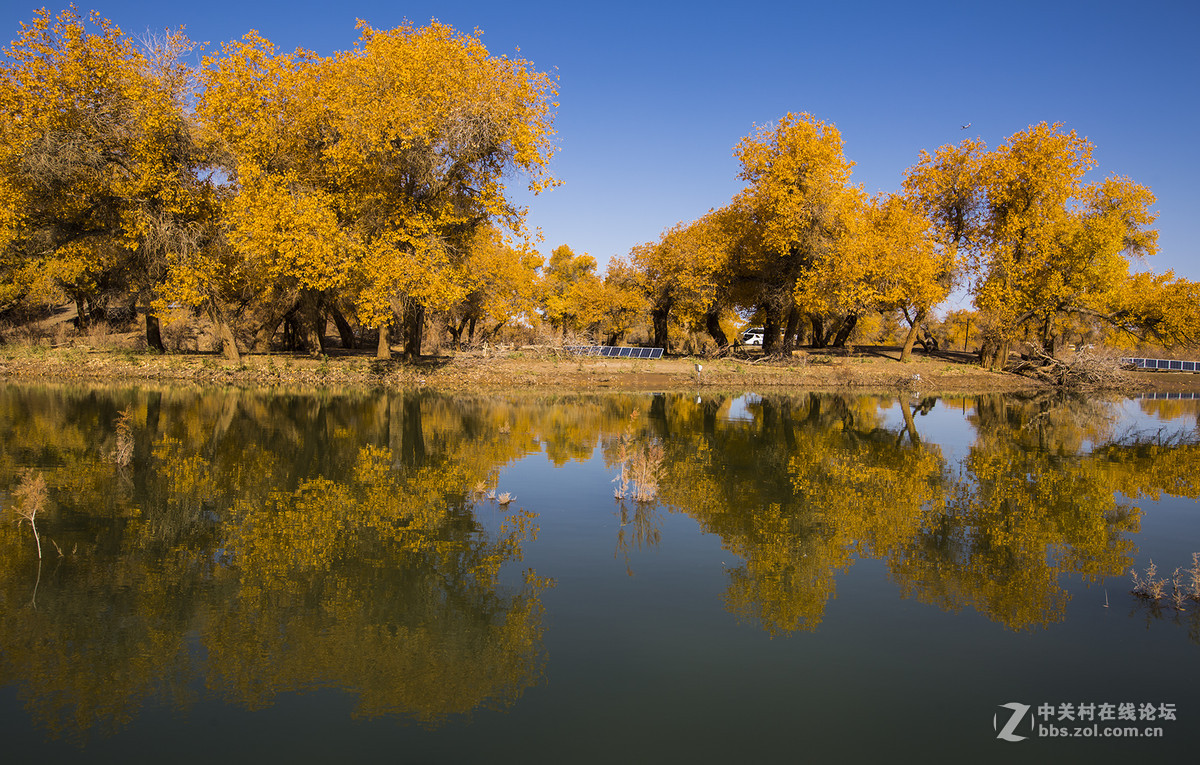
{"points": [[681, 577]]}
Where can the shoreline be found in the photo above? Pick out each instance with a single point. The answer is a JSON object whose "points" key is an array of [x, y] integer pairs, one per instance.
{"points": [[871, 370]]}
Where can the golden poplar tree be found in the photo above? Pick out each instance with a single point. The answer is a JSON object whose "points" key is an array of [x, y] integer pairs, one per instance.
{"points": [[367, 173], [797, 198], [99, 165]]}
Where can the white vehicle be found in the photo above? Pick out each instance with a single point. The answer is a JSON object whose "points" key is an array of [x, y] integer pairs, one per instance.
{"points": [[753, 336]]}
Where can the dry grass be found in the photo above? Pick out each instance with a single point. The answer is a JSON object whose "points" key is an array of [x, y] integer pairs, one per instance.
{"points": [[1186, 582], [1185, 585], [545, 368], [1149, 587]]}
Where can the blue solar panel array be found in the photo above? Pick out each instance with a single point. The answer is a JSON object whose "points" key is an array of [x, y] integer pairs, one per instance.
{"points": [[1167, 364], [616, 351]]}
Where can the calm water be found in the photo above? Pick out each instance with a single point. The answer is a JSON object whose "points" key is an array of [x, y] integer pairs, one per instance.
{"points": [[232, 575]]}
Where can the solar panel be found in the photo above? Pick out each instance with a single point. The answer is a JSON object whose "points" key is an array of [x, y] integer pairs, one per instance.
{"points": [[1170, 364], [615, 351]]}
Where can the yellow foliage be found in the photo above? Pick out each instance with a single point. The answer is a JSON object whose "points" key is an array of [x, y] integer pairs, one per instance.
{"points": [[97, 159], [368, 172], [1035, 241]]}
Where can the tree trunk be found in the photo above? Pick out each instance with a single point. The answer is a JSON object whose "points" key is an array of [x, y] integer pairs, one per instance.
{"points": [[414, 326], [225, 333], [490, 334], [659, 321], [345, 331], [383, 350], [819, 340], [471, 330], [993, 355], [291, 333], [843, 334], [153, 330], [266, 333], [789, 331], [312, 323], [911, 337], [456, 333], [771, 333], [712, 323]]}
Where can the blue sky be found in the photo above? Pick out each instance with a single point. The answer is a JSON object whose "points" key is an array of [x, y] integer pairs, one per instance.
{"points": [[655, 95]]}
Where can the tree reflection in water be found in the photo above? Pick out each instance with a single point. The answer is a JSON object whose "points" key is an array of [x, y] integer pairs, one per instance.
{"points": [[260, 543]]}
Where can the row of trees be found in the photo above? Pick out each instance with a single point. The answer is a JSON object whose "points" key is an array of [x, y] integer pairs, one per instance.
{"points": [[1015, 227], [264, 186], [271, 189]]}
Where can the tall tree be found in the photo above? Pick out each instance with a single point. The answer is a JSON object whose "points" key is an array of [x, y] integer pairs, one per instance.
{"points": [[797, 196], [568, 281], [682, 273], [1035, 242], [385, 161], [885, 261], [101, 173]]}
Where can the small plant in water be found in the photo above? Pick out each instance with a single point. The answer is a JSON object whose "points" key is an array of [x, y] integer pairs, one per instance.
{"points": [[1187, 580], [31, 498], [1150, 587], [506, 498]]}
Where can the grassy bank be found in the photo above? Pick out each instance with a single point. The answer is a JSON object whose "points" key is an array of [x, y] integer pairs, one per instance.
{"points": [[869, 369]]}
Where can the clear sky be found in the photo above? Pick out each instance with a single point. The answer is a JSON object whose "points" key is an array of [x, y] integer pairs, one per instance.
{"points": [[654, 95]]}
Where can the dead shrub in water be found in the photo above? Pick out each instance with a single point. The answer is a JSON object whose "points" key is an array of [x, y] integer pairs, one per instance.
{"points": [[1185, 585], [1150, 587], [31, 497], [1187, 580]]}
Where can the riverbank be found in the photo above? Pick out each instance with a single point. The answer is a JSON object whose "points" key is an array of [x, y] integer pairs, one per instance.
{"points": [[868, 369]]}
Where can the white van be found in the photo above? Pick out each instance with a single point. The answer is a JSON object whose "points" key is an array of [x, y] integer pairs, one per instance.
{"points": [[753, 336]]}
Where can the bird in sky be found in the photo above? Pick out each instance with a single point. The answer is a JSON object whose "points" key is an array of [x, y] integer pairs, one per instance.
{"points": [[964, 127]]}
